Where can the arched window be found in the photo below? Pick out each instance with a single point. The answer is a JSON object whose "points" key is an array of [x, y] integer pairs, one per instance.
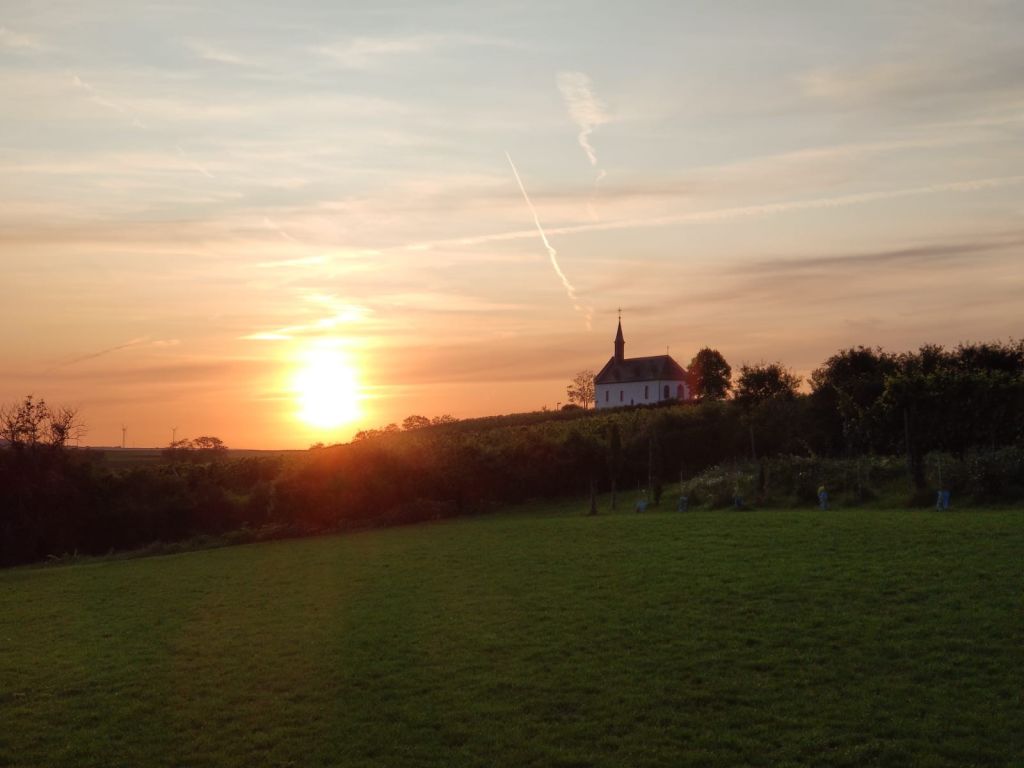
{"points": [[606, 393], [621, 395], [666, 393], [646, 388], [680, 393]]}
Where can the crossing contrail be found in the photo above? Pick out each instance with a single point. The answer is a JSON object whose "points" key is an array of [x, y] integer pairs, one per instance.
{"points": [[747, 211], [552, 253]]}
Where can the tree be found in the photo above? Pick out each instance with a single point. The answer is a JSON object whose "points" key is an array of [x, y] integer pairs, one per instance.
{"points": [[581, 389], [178, 450], [993, 356], [711, 375], [760, 383], [32, 422], [415, 422], [209, 443], [849, 386]]}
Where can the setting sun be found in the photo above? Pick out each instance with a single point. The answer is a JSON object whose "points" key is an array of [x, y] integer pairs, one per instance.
{"points": [[326, 389]]}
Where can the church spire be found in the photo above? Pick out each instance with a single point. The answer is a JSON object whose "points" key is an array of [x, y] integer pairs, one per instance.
{"points": [[620, 342]]}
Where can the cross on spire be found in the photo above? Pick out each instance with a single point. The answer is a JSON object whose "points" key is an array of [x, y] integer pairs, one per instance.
{"points": [[620, 343]]}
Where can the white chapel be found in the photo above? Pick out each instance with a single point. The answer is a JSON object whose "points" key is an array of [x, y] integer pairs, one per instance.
{"points": [[639, 380]]}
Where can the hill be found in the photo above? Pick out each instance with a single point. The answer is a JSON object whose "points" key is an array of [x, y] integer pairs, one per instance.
{"points": [[536, 639], [876, 428]]}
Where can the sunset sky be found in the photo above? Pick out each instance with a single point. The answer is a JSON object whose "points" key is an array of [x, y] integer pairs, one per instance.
{"points": [[232, 218]]}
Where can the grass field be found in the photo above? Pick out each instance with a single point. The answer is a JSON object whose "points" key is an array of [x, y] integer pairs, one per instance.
{"points": [[539, 638]]}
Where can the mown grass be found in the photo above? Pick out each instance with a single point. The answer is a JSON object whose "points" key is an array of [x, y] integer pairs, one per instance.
{"points": [[865, 637]]}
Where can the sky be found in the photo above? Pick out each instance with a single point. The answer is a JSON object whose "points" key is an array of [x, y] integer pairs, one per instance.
{"points": [[279, 223]]}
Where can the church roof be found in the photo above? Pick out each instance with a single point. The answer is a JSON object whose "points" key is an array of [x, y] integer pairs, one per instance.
{"points": [[654, 368]]}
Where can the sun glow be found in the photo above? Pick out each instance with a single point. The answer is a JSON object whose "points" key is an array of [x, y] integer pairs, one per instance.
{"points": [[326, 389]]}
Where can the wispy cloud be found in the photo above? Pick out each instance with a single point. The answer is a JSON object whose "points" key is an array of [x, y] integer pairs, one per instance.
{"points": [[846, 285], [585, 109], [340, 313], [588, 112], [362, 53], [917, 81], [216, 54], [530, 357], [19, 41], [927, 253]]}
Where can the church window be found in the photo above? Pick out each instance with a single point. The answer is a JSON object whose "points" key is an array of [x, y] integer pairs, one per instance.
{"points": [[666, 392], [621, 395], [606, 392], [680, 392], [646, 388]]}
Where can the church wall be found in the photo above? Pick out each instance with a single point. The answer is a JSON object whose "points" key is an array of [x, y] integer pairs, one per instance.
{"points": [[633, 393]]}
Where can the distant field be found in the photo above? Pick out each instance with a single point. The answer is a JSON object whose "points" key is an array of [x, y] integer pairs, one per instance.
{"points": [[540, 638]]}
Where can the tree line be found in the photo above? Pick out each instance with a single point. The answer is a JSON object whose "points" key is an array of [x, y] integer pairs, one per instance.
{"points": [[862, 402]]}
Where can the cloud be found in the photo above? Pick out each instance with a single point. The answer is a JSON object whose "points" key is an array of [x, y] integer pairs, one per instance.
{"points": [[919, 81], [19, 41], [391, 314], [339, 313], [585, 109], [842, 285], [539, 357], [930, 253], [362, 53], [218, 55]]}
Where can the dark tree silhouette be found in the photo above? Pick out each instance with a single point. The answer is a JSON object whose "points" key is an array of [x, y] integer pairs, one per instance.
{"points": [[415, 422], [209, 443], [33, 423], [581, 389], [767, 381], [711, 375]]}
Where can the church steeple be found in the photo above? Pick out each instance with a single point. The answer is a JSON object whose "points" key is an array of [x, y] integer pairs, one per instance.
{"points": [[620, 343]]}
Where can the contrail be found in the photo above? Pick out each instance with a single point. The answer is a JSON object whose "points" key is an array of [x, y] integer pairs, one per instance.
{"points": [[552, 253], [270, 224], [748, 211], [98, 353], [192, 163], [136, 122]]}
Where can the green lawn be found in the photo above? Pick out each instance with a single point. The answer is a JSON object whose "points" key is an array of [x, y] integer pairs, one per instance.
{"points": [[538, 638]]}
